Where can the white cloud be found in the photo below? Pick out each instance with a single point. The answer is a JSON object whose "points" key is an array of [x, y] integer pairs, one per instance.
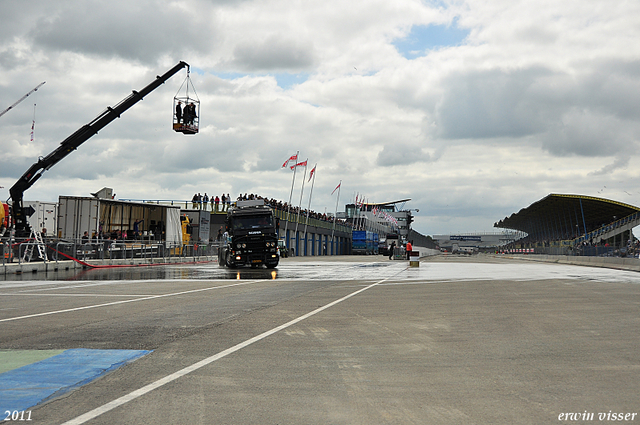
{"points": [[539, 98]]}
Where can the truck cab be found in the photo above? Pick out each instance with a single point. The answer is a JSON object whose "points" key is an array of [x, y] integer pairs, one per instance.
{"points": [[251, 236]]}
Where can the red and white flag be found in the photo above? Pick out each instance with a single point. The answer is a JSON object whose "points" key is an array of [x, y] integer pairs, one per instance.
{"points": [[299, 164], [313, 170], [293, 158], [336, 188]]}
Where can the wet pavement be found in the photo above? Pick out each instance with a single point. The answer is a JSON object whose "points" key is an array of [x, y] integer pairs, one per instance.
{"points": [[322, 268], [308, 268], [349, 340]]}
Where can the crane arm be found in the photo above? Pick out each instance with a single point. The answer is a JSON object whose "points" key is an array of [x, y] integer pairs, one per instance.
{"points": [[21, 99], [72, 142]]}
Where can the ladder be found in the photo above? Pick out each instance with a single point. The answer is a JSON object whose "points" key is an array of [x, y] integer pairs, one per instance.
{"points": [[39, 243]]}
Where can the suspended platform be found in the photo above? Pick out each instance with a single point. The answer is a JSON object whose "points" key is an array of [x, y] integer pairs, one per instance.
{"points": [[186, 109], [185, 128]]}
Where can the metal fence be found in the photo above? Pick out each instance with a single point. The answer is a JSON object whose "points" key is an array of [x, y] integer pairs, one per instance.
{"points": [[27, 250], [579, 251]]}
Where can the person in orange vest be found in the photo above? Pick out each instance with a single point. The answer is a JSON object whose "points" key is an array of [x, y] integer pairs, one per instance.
{"points": [[409, 248]]}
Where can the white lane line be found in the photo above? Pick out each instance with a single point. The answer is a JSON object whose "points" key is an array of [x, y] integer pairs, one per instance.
{"points": [[170, 378], [47, 313], [90, 284], [21, 294]]}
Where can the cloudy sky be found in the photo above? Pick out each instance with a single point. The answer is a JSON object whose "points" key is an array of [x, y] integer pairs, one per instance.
{"points": [[474, 109]]}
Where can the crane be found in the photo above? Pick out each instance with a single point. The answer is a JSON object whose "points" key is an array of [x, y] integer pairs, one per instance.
{"points": [[72, 143], [21, 99]]}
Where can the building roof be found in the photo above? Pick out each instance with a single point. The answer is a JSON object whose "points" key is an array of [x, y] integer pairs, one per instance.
{"points": [[556, 216], [380, 204]]}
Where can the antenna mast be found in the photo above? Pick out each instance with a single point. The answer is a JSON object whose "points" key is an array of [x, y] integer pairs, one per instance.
{"points": [[21, 99]]}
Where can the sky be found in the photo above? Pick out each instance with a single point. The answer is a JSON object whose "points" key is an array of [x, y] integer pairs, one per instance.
{"points": [[472, 109]]}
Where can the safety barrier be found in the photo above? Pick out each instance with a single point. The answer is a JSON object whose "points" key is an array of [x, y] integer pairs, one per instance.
{"points": [[101, 253], [631, 264], [608, 230]]}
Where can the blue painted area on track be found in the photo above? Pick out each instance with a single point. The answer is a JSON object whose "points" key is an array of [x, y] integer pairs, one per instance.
{"points": [[29, 385]]}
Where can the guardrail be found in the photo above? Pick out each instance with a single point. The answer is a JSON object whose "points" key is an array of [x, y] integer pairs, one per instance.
{"points": [[314, 222], [633, 219], [104, 250]]}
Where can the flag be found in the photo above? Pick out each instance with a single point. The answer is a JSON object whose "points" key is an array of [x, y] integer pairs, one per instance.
{"points": [[299, 164], [313, 170], [336, 188], [292, 158]]}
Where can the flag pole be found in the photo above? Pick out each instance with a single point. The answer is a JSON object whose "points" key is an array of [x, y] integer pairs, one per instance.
{"points": [[335, 215], [286, 224], [359, 212], [300, 203], [356, 214], [309, 206], [360, 220]]}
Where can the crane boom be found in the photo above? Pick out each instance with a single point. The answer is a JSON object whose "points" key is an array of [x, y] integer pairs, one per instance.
{"points": [[71, 143], [21, 99]]}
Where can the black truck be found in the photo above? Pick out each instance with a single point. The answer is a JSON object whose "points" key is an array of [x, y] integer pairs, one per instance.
{"points": [[251, 236]]}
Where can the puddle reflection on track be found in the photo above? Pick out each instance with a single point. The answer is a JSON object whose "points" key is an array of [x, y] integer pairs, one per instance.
{"points": [[211, 271]]}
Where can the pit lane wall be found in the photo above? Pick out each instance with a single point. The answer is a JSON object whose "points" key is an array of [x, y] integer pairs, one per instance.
{"points": [[59, 266], [426, 252], [631, 264]]}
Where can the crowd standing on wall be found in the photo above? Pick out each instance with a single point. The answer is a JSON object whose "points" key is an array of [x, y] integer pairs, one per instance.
{"points": [[218, 203], [223, 203], [284, 206]]}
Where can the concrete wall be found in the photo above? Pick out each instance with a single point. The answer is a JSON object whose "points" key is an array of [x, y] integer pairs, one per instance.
{"points": [[427, 252], [632, 264]]}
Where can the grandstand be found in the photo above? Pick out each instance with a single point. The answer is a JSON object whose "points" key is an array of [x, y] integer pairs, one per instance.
{"points": [[478, 240], [574, 224]]}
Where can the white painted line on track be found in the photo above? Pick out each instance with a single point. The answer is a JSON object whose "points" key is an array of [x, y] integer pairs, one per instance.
{"points": [[47, 313], [170, 378], [21, 294]]}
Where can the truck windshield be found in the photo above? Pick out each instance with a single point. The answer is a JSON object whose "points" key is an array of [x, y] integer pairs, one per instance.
{"points": [[253, 222]]}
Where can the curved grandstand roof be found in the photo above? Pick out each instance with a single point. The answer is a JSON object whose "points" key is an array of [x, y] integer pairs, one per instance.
{"points": [[556, 216]]}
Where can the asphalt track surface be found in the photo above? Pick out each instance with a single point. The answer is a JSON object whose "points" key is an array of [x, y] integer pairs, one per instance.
{"points": [[348, 340]]}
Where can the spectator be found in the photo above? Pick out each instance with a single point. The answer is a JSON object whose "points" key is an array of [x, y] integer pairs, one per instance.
{"points": [[136, 229], [179, 112], [194, 201], [409, 248], [205, 201]]}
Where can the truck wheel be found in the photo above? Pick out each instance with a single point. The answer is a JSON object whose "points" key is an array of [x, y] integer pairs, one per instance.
{"points": [[227, 261]]}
